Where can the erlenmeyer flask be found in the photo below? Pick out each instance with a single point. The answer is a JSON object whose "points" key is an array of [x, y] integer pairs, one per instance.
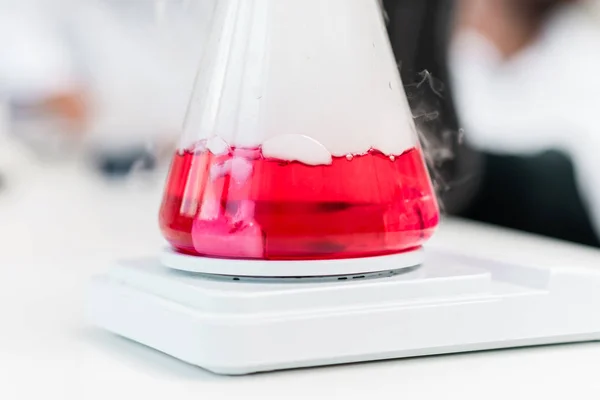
{"points": [[299, 143]]}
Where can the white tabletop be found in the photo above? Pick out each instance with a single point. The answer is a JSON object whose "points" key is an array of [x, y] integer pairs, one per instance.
{"points": [[60, 227]]}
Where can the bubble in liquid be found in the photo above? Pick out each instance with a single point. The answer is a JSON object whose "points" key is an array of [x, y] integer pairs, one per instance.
{"points": [[239, 168], [349, 157], [393, 158], [221, 237], [217, 146], [219, 170], [248, 154]]}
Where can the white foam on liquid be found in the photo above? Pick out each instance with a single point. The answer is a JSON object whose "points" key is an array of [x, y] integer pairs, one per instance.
{"points": [[296, 148]]}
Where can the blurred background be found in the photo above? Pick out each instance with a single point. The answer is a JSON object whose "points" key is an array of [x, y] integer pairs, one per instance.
{"points": [[103, 81], [98, 89]]}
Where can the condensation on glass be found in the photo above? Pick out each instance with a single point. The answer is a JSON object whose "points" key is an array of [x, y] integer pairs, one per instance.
{"points": [[299, 143]]}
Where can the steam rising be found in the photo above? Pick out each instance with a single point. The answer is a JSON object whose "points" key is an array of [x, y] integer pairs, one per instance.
{"points": [[440, 143]]}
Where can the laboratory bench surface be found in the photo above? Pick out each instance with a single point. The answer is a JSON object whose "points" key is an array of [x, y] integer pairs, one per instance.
{"points": [[61, 227]]}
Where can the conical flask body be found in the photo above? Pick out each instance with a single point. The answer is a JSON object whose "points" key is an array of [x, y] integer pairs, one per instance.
{"points": [[299, 142]]}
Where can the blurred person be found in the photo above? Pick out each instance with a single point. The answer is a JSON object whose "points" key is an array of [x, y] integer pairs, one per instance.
{"points": [[524, 79], [523, 61]]}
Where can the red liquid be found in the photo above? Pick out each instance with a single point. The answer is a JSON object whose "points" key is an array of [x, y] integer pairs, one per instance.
{"points": [[241, 205]]}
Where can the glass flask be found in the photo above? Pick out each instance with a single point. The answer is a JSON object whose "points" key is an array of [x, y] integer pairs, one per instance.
{"points": [[299, 143]]}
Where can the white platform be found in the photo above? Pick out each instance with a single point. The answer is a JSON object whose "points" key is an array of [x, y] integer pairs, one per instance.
{"points": [[295, 269], [451, 304]]}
